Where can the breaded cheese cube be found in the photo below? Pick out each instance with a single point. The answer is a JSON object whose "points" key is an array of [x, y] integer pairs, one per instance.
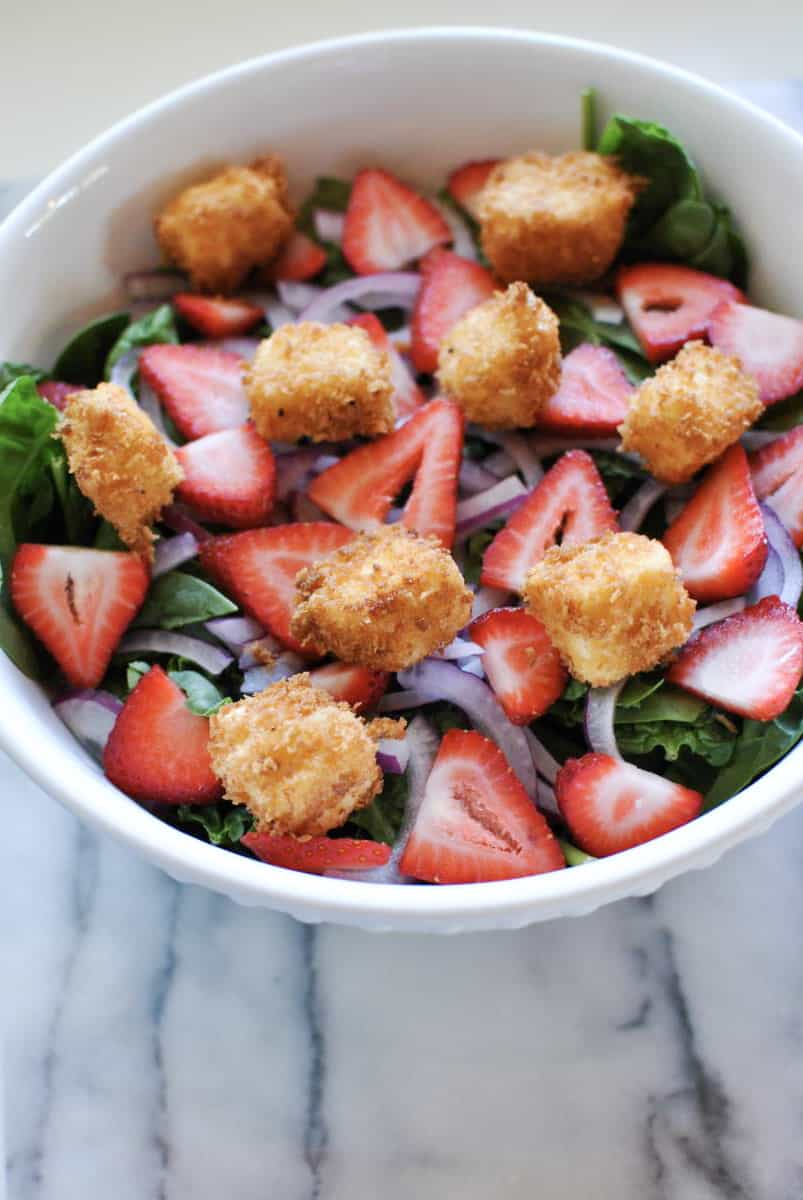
{"points": [[324, 382], [300, 761], [689, 412], [501, 361], [555, 220], [219, 230], [120, 461], [385, 600], [612, 606]]}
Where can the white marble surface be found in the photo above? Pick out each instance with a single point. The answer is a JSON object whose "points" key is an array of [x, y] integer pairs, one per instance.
{"points": [[162, 1044]]}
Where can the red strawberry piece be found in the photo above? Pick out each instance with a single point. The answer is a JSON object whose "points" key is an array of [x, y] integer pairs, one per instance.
{"points": [[593, 394], [465, 184], [388, 225], [407, 395], [476, 822], [317, 854], [78, 602], [360, 489], [216, 316], [718, 540], [450, 286], [669, 305], [773, 464], [258, 569], [158, 750], [56, 392], [610, 805], [769, 346], [300, 259], [201, 387], [787, 503], [750, 663], [521, 664], [358, 686], [570, 500], [229, 477]]}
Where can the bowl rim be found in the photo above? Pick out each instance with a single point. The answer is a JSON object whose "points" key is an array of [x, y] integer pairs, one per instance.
{"points": [[518, 901]]}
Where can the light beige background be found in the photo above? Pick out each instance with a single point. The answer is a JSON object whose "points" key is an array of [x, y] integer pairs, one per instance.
{"points": [[70, 68]]}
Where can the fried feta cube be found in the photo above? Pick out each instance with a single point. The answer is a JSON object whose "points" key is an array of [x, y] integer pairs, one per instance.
{"points": [[220, 229], [120, 461], [501, 361], [612, 606], [324, 382], [555, 220], [689, 412], [385, 600], [300, 761]]}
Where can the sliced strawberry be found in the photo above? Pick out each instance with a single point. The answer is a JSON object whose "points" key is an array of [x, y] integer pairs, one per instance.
{"points": [[520, 662], [300, 259], [668, 305], [465, 184], [593, 394], [56, 392], [229, 477], [201, 387], [570, 500], [258, 569], [787, 503], [769, 346], [388, 225], [717, 540], [360, 489], [216, 316], [78, 602], [610, 805], [450, 286], [407, 395], [358, 686], [773, 464], [476, 823], [158, 751], [750, 663], [317, 854]]}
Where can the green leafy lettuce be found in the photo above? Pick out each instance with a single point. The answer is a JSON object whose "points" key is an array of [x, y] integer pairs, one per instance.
{"points": [[203, 696], [577, 325], [222, 824], [83, 359], [382, 819], [157, 327], [757, 748], [177, 599]]}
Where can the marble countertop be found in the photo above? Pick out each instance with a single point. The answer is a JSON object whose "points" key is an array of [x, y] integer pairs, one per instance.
{"points": [[161, 1043]]}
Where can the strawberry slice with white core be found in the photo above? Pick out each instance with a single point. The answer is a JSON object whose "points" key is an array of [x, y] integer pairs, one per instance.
{"points": [[229, 477], [300, 259], [669, 305], [570, 502], [466, 183], [718, 540], [476, 823], [360, 687], [407, 395], [201, 387], [450, 287], [774, 463], [316, 855], [78, 602], [610, 805], [787, 504], [388, 225], [520, 663], [750, 663], [768, 345], [217, 316], [258, 569], [593, 394]]}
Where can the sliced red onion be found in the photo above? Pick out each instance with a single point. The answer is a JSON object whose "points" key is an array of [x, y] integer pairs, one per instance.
{"points": [[545, 445], [294, 471], [487, 598], [154, 285], [163, 641], [756, 439], [234, 632], [249, 654], [180, 520], [460, 648], [306, 510], [124, 370], [789, 558], [547, 800], [718, 612], [546, 766], [245, 347], [393, 755], [256, 679], [276, 313], [149, 403], [296, 295], [475, 478], [673, 507], [473, 665], [324, 461], [328, 225], [172, 552], [441, 680], [481, 509], [524, 456], [90, 715], [400, 338], [631, 518], [397, 288], [601, 306], [598, 722], [462, 241], [499, 464]]}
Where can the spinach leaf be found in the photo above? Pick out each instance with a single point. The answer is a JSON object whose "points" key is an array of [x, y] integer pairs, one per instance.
{"points": [[223, 824], [177, 599], [705, 737], [475, 547], [84, 357], [758, 747], [203, 698], [785, 415], [107, 538], [619, 474], [10, 371], [77, 512], [446, 198], [575, 857], [333, 194], [158, 326], [577, 325], [382, 820], [134, 672], [588, 118], [15, 639], [27, 425]]}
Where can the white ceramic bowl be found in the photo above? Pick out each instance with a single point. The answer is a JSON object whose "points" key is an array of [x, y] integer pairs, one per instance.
{"points": [[420, 102]]}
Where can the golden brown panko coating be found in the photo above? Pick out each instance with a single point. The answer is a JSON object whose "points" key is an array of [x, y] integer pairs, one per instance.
{"points": [[555, 220], [689, 412], [324, 382], [120, 461], [219, 230], [612, 606], [300, 761], [386, 600], [501, 361]]}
